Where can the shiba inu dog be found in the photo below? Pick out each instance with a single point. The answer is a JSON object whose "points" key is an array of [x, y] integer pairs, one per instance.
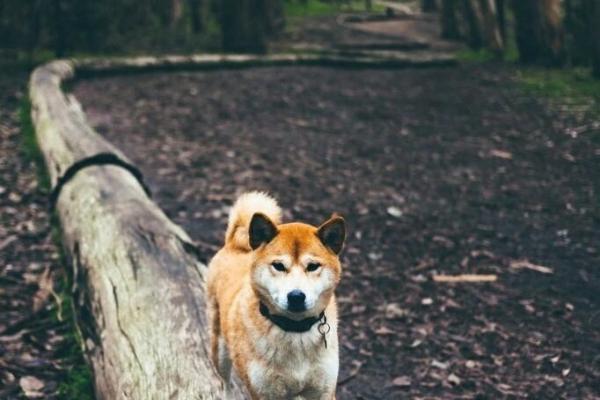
{"points": [[271, 304]]}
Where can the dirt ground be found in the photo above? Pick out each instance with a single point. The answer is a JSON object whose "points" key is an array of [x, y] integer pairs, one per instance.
{"points": [[36, 349], [331, 32], [438, 171]]}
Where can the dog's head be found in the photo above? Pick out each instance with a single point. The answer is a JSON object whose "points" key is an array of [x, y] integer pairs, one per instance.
{"points": [[296, 266]]}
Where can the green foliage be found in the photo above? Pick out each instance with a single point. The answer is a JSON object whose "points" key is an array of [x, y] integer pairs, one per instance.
{"points": [[510, 54], [19, 61], [77, 383], [486, 55], [30, 146], [68, 27], [476, 56], [309, 8], [575, 83], [316, 8]]}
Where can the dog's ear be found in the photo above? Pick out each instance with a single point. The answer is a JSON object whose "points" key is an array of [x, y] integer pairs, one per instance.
{"points": [[333, 233], [261, 230]]}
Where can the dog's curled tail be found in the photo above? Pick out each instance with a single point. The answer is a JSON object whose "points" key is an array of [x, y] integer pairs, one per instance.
{"points": [[241, 214]]}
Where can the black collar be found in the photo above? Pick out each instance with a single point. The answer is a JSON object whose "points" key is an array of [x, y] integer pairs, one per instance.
{"points": [[288, 324]]}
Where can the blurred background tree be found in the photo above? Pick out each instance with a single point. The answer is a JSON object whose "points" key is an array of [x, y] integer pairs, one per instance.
{"points": [[540, 32], [549, 33]]}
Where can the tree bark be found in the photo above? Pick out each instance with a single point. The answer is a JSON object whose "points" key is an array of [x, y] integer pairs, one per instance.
{"points": [[428, 5], [474, 19], [449, 20], [176, 12], [138, 285], [197, 14], [493, 36], [594, 27], [243, 26], [35, 28], [59, 29], [539, 32], [501, 10], [274, 18]]}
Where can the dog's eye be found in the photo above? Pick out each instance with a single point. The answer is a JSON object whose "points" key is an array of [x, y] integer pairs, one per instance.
{"points": [[278, 266], [312, 266]]}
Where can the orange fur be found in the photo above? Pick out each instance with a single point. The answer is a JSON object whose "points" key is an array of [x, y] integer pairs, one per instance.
{"points": [[270, 361]]}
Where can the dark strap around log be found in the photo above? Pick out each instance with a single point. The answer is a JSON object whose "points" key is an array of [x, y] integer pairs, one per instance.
{"points": [[99, 159]]}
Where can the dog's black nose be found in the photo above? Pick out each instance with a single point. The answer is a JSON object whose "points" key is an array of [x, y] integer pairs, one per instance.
{"points": [[296, 300]]}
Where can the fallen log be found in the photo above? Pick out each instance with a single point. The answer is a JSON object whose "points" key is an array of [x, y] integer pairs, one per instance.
{"points": [[121, 65], [138, 285]]}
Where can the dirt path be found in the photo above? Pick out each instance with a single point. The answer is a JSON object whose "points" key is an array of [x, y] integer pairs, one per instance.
{"points": [[359, 31], [437, 171]]}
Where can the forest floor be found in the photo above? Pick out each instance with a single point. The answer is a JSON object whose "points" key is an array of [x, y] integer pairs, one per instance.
{"points": [[437, 171], [38, 349]]}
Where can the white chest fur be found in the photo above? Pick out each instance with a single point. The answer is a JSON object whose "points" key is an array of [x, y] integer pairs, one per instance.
{"points": [[295, 365]]}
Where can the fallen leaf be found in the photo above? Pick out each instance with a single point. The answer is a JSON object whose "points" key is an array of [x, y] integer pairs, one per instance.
{"points": [[501, 154], [395, 212], [383, 331], [401, 381], [15, 197], [439, 364], [453, 379], [394, 311], [31, 386]]}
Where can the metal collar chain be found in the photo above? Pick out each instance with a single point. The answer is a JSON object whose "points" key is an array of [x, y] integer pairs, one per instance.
{"points": [[324, 328]]}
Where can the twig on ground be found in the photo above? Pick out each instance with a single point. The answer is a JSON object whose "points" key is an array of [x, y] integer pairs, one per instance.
{"points": [[520, 264], [352, 374], [465, 278]]}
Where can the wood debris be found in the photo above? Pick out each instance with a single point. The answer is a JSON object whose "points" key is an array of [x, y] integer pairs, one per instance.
{"points": [[524, 264], [465, 278]]}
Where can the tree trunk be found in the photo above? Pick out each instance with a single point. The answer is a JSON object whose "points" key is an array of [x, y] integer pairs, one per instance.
{"points": [[501, 10], [197, 14], [493, 36], [35, 28], [594, 27], [243, 26], [59, 29], [428, 5], [474, 19], [139, 290], [275, 18], [176, 12], [449, 20], [539, 32]]}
